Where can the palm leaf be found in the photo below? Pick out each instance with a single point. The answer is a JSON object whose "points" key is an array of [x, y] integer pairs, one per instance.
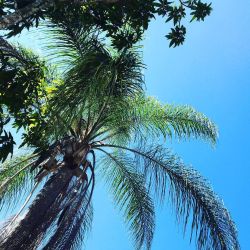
{"points": [[190, 194], [16, 179], [68, 42], [131, 196], [145, 118], [92, 71]]}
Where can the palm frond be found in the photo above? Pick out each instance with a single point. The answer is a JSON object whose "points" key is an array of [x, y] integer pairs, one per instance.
{"points": [[9, 50], [82, 226], [93, 71], [190, 194], [131, 196], [96, 81], [146, 118], [69, 42], [15, 178]]}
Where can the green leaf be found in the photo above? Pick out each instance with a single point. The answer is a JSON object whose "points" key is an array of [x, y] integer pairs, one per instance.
{"points": [[131, 196]]}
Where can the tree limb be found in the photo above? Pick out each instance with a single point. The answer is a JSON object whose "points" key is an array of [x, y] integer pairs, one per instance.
{"points": [[29, 10]]}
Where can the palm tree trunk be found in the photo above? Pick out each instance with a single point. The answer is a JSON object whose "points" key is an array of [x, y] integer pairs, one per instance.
{"points": [[29, 230]]}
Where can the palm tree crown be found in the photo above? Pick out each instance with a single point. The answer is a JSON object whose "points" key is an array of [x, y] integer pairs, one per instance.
{"points": [[97, 119]]}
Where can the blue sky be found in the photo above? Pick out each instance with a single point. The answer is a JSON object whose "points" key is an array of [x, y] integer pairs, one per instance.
{"points": [[211, 73]]}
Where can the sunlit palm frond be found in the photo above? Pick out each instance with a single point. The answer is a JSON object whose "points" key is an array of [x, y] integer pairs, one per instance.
{"points": [[187, 122], [92, 70], [130, 79], [145, 118], [69, 42], [97, 88], [190, 194], [131, 196]]}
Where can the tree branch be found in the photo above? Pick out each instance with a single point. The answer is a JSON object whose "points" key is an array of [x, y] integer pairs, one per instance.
{"points": [[22, 14], [29, 10]]}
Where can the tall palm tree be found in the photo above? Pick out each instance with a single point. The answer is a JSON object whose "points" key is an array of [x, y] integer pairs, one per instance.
{"points": [[96, 119]]}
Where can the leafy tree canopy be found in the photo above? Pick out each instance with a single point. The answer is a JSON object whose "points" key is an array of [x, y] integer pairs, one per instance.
{"points": [[123, 21], [97, 104], [23, 76]]}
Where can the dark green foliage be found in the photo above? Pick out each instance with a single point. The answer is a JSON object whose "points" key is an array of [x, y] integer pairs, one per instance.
{"points": [[200, 10], [24, 79], [177, 35], [6, 140], [7, 7], [22, 85], [6, 145], [123, 21], [176, 14]]}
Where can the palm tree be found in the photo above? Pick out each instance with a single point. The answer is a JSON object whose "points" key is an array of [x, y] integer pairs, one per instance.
{"points": [[96, 119]]}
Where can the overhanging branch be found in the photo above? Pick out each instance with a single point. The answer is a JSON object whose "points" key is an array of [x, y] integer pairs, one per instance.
{"points": [[20, 15], [29, 10]]}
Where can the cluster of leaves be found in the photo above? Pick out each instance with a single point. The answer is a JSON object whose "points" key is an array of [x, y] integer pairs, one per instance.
{"points": [[24, 77], [25, 80], [2, 12], [123, 21], [175, 13], [6, 139]]}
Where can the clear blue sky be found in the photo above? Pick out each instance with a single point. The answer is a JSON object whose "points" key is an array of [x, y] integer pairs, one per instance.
{"points": [[211, 73]]}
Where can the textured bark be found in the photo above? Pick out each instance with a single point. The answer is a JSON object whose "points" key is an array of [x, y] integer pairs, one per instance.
{"points": [[21, 237], [29, 10]]}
